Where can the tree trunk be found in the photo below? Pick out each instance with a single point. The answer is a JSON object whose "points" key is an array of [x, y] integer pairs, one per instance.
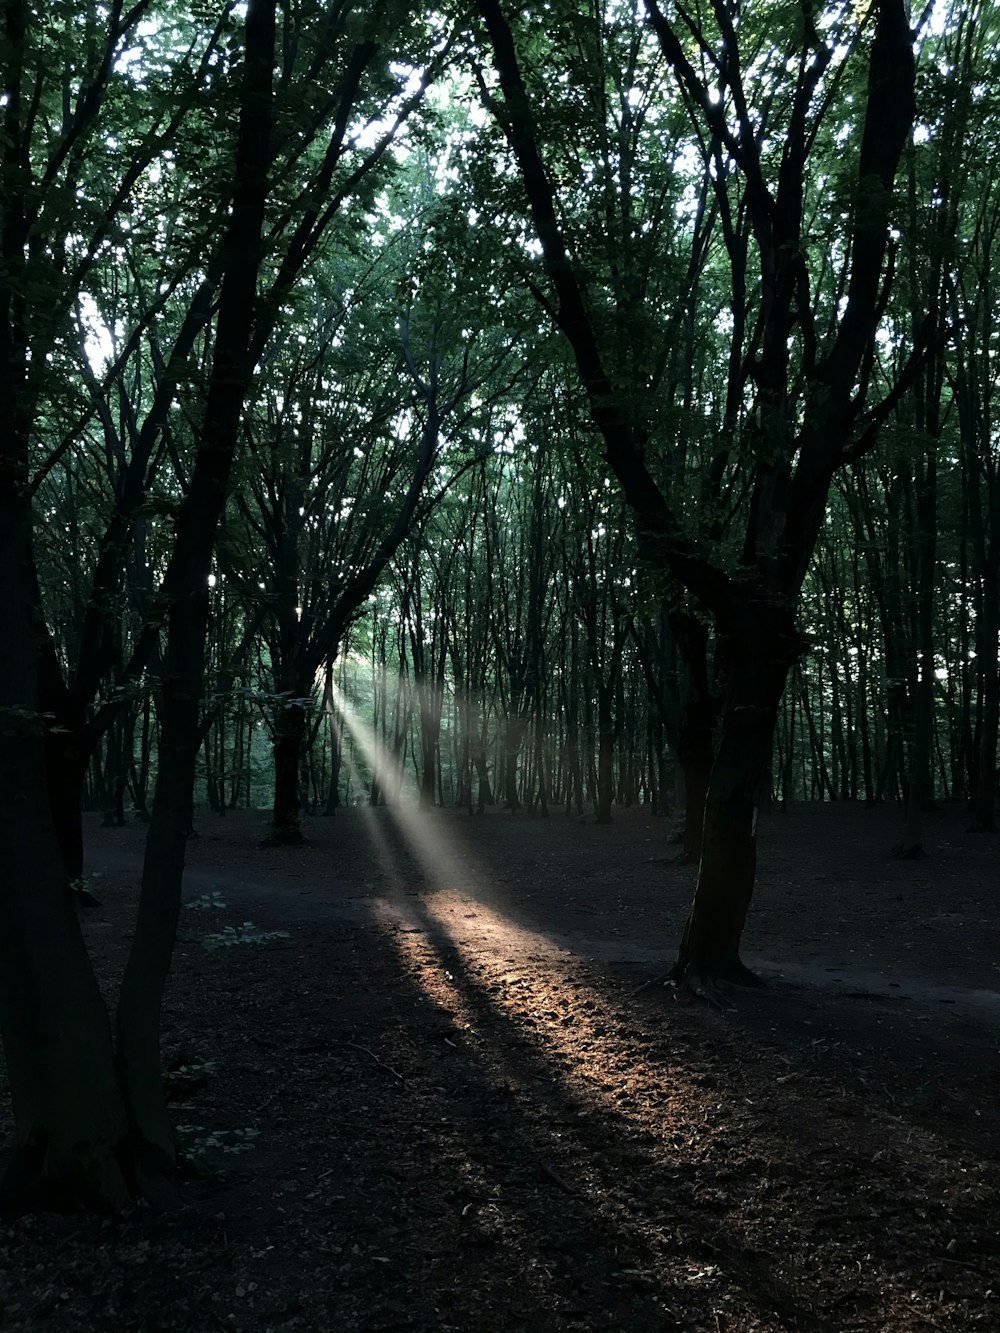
{"points": [[65, 771], [484, 795], [710, 948], [694, 754], [513, 739], [605, 754], [186, 583], [289, 734], [429, 701], [69, 1118], [984, 817], [920, 787]]}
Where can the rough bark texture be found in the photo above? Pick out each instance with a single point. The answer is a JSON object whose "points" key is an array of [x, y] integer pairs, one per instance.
{"points": [[69, 1120]]}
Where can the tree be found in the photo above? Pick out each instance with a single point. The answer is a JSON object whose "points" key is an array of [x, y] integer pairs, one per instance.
{"points": [[803, 415], [185, 595], [81, 1126], [84, 1127]]}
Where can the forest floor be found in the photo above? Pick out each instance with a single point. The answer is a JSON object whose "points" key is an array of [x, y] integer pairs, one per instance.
{"points": [[422, 1086]]}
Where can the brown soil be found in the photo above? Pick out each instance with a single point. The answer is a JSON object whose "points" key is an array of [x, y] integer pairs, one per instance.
{"points": [[444, 1099]]}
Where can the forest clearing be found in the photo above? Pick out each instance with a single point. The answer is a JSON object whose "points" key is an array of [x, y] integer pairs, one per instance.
{"points": [[436, 1102]]}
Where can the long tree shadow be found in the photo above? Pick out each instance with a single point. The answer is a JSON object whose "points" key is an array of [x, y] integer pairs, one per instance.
{"points": [[929, 1051], [468, 1131], [526, 1079]]}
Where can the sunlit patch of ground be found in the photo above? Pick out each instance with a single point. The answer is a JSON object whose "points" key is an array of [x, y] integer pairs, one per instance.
{"points": [[760, 1215], [724, 1199], [705, 1186]]}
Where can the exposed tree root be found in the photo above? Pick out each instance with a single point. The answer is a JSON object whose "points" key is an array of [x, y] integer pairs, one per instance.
{"points": [[82, 895], [702, 983], [151, 1182], [283, 837], [37, 1181], [102, 1180], [693, 981]]}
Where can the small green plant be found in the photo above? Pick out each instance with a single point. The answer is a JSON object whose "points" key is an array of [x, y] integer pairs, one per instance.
{"points": [[245, 933], [204, 1140], [184, 1078], [207, 902], [82, 887]]}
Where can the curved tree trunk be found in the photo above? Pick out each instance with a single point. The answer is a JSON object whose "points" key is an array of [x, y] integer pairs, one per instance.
{"points": [[710, 947], [186, 583]]}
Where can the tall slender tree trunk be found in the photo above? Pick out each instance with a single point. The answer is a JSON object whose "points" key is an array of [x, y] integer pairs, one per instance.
{"points": [[605, 753], [186, 580], [988, 648], [919, 774], [513, 739]]}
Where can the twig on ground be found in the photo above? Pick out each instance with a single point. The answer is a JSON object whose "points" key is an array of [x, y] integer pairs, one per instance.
{"points": [[557, 1179], [378, 1060]]}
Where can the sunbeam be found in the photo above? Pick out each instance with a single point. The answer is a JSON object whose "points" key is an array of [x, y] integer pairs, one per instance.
{"points": [[459, 917], [441, 863]]}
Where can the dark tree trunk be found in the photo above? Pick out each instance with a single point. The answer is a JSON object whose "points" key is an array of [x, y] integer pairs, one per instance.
{"points": [[694, 754], [605, 754], [186, 583], [513, 739], [429, 702], [69, 1119], [695, 726], [66, 754], [289, 734], [988, 644], [484, 793], [755, 681], [65, 771]]}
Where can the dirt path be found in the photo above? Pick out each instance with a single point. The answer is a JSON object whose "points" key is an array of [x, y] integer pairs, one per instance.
{"points": [[421, 1092]]}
